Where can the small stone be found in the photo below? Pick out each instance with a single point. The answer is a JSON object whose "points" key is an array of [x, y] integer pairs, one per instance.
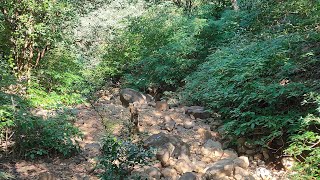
{"points": [[238, 177], [250, 152], [249, 145], [257, 156], [241, 171], [220, 169], [170, 125], [188, 176], [182, 166], [162, 106], [188, 124], [199, 166], [264, 173], [167, 118], [265, 153], [46, 176], [242, 161], [229, 154], [213, 144], [163, 156], [153, 172], [241, 149], [204, 134], [169, 173], [261, 163], [288, 163]]}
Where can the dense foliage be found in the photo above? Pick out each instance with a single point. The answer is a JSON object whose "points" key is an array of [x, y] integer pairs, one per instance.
{"points": [[256, 62], [264, 79]]}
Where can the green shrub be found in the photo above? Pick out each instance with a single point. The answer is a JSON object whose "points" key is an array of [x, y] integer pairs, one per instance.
{"points": [[263, 76], [120, 156], [37, 137], [57, 82]]}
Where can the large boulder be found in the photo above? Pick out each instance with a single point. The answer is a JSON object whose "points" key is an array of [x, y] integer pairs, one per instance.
{"points": [[168, 146], [128, 96]]}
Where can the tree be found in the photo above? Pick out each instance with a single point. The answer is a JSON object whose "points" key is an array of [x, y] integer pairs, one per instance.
{"points": [[31, 27]]}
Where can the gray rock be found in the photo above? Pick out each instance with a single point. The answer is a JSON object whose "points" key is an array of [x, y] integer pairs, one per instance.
{"points": [[162, 106], [128, 96], [169, 125], [182, 166], [188, 124], [197, 112], [175, 146], [188, 176], [153, 172], [220, 170], [263, 173], [213, 144], [169, 173], [241, 171], [250, 152], [242, 162]]}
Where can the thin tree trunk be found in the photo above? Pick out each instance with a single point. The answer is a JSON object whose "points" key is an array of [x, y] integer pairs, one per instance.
{"points": [[235, 5]]}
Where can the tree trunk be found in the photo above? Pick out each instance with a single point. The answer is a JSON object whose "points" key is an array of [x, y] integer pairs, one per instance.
{"points": [[235, 5]]}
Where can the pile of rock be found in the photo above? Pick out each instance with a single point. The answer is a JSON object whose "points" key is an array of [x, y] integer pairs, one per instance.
{"points": [[189, 148]]}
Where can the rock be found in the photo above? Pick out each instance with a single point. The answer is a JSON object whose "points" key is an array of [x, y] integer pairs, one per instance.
{"points": [[238, 177], [169, 125], [149, 98], [213, 144], [258, 157], [188, 176], [128, 96], [182, 166], [188, 124], [204, 134], [213, 150], [263, 173], [161, 106], [197, 112], [46, 176], [241, 171], [169, 173], [265, 153], [249, 145], [175, 146], [241, 149], [242, 162], [250, 151], [229, 154], [153, 172], [261, 163], [167, 118], [163, 156], [288, 163], [220, 170], [199, 167], [241, 141]]}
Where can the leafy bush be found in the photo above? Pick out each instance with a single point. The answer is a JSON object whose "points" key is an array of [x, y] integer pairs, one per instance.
{"points": [[57, 82], [119, 157], [38, 137]]}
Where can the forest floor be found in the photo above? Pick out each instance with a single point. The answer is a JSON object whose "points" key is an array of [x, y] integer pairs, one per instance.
{"points": [[107, 114]]}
